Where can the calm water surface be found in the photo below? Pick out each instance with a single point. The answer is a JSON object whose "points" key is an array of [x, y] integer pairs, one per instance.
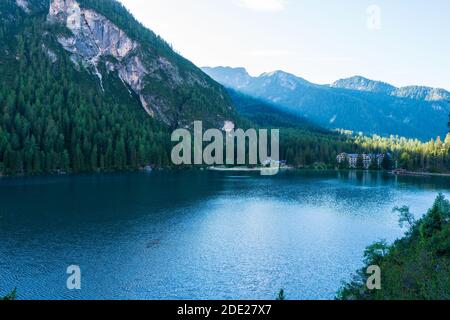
{"points": [[197, 235]]}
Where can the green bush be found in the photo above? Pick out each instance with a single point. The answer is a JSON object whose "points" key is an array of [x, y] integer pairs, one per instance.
{"points": [[416, 267], [10, 296]]}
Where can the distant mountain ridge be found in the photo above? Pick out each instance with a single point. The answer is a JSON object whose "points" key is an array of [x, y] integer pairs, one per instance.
{"points": [[265, 114], [355, 103], [363, 84], [413, 92]]}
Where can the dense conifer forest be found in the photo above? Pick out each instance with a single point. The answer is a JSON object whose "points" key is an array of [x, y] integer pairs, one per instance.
{"points": [[57, 118]]}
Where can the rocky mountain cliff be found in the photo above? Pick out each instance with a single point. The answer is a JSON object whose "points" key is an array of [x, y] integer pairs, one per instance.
{"points": [[356, 103], [102, 38], [85, 87]]}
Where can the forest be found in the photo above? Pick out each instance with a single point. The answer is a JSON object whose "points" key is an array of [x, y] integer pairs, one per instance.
{"points": [[54, 118], [57, 119]]}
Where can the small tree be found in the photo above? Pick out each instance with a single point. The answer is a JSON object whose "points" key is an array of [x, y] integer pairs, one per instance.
{"points": [[281, 296], [406, 218], [343, 164], [437, 216], [376, 252], [10, 296]]}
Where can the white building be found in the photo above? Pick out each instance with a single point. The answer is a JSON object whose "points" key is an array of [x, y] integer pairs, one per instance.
{"points": [[367, 159]]}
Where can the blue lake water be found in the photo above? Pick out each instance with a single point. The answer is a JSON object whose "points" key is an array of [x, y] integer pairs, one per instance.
{"points": [[198, 235]]}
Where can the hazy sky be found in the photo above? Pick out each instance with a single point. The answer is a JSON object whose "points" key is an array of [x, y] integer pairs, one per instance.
{"points": [[403, 42]]}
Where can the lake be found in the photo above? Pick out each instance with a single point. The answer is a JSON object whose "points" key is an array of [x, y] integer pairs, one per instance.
{"points": [[198, 235]]}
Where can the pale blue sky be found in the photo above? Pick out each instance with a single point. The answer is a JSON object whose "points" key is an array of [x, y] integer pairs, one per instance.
{"points": [[321, 41]]}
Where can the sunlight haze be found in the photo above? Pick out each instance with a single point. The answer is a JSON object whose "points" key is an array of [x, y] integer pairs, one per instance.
{"points": [[321, 42]]}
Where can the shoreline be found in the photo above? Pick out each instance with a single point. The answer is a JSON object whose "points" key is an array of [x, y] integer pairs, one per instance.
{"points": [[220, 169], [419, 174]]}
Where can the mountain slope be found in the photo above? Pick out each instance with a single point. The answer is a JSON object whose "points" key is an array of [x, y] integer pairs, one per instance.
{"points": [[416, 267], [356, 104], [423, 93], [102, 34], [78, 98], [363, 84], [412, 92], [268, 115], [54, 117], [235, 78]]}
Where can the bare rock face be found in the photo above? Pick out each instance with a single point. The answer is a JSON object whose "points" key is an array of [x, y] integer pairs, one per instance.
{"points": [[24, 5], [94, 37]]}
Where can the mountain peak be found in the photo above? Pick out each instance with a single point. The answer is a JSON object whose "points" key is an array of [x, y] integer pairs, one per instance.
{"points": [[423, 93], [229, 76], [285, 79], [276, 73], [361, 83], [418, 112], [225, 69]]}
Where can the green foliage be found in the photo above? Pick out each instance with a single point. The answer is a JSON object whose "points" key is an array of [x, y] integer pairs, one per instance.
{"points": [[54, 118], [267, 115], [406, 217], [302, 143], [416, 267], [196, 97], [10, 296], [376, 252], [436, 219], [410, 154], [281, 296], [334, 107]]}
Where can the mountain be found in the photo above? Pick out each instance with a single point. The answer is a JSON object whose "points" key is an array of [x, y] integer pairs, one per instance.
{"points": [[103, 39], [169, 87], [230, 77], [363, 84], [412, 92], [356, 104], [423, 93], [265, 114], [84, 86]]}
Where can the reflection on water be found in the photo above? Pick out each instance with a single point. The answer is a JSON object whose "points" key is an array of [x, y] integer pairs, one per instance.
{"points": [[198, 235]]}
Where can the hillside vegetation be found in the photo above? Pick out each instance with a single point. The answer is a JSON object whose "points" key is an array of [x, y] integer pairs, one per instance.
{"points": [[416, 267], [56, 116], [53, 117], [359, 104]]}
